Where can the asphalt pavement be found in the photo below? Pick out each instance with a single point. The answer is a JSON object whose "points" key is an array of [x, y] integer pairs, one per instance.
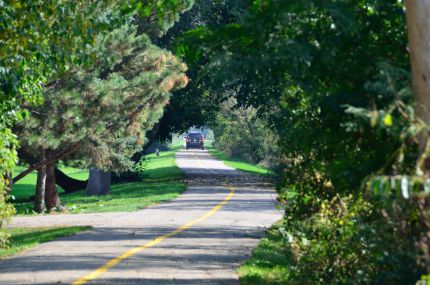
{"points": [[201, 237]]}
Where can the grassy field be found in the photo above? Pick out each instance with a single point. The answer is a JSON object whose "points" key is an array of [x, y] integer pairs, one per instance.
{"points": [[269, 262], [161, 183], [239, 164], [162, 168], [23, 239], [24, 188]]}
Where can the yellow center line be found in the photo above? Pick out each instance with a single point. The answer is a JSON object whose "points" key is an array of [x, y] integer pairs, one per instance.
{"points": [[95, 274]]}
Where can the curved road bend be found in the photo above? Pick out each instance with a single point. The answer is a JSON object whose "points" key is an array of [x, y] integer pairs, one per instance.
{"points": [[157, 245]]}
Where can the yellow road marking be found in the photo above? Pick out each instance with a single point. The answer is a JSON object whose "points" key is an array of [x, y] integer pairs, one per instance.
{"points": [[133, 251]]}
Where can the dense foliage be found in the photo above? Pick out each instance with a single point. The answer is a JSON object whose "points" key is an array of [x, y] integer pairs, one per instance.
{"points": [[38, 40], [241, 133], [192, 106], [107, 109], [46, 42], [333, 79]]}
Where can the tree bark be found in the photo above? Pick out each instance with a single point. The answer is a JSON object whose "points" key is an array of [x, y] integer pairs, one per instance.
{"points": [[98, 182], [69, 184], [52, 199], [39, 198], [418, 22], [417, 13]]}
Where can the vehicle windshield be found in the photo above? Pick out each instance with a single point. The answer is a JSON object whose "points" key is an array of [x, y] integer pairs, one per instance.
{"points": [[194, 136]]}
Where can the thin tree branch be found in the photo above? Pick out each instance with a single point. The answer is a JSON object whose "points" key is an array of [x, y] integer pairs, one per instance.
{"points": [[43, 162]]}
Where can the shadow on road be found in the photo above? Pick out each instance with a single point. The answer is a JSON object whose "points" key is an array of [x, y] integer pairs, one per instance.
{"points": [[200, 168]]}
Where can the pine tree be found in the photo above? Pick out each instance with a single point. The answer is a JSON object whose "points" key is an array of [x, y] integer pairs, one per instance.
{"points": [[100, 116]]}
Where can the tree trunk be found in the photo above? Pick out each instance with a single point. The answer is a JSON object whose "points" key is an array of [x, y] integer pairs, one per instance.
{"points": [[69, 184], [54, 158], [418, 21], [39, 198], [52, 199], [98, 182], [419, 46]]}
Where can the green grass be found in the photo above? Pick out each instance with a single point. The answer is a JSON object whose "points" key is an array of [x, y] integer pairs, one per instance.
{"points": [[161, 183], [239, 164], [177, 142], [23, 239], [24, 188], [162, 168], [269, 262]]}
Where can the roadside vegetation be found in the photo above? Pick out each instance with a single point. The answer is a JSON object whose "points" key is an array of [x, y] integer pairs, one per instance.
{"points": [[319, 82], [238, 163], [272, 262], [323, 93], [23, 239], [159, 182], [245, 136], [23, 190]]}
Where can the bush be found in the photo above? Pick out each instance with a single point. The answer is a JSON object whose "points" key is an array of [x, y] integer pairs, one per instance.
{"points": [[239, 132], [348, 241]]}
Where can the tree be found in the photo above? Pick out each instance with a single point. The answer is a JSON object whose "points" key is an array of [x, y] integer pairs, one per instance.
{"points": [[193, 106], [101, 115], [39, 39], [419, 45], [241, 133], [332, 77]]}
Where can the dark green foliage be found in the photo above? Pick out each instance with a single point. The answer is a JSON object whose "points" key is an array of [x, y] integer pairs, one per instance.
{"points": [[193, 106], [107, 110], [41, 41], [332, 78], [240, 133]]}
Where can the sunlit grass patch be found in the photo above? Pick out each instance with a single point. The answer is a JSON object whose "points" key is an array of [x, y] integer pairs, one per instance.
{"points": [[25, 238], [24, 188], [239, 164], [124, 197], [163, 167], [161, 183], [269, 262]]}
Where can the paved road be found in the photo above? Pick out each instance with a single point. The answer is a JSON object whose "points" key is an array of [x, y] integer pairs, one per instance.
{"points": [[199, 238]]}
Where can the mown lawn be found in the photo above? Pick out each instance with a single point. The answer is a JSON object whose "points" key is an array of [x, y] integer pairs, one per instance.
{"points": [[24, 188], [269, 262], [162, 168], [239, 164], [23, 239], [161, 183]]}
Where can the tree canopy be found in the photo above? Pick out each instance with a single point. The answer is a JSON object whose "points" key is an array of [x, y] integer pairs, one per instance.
{"points": [[333, 79], [46, 42]]}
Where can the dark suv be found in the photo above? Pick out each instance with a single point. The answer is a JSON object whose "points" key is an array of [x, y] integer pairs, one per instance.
{"points": [[195, 140]]}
